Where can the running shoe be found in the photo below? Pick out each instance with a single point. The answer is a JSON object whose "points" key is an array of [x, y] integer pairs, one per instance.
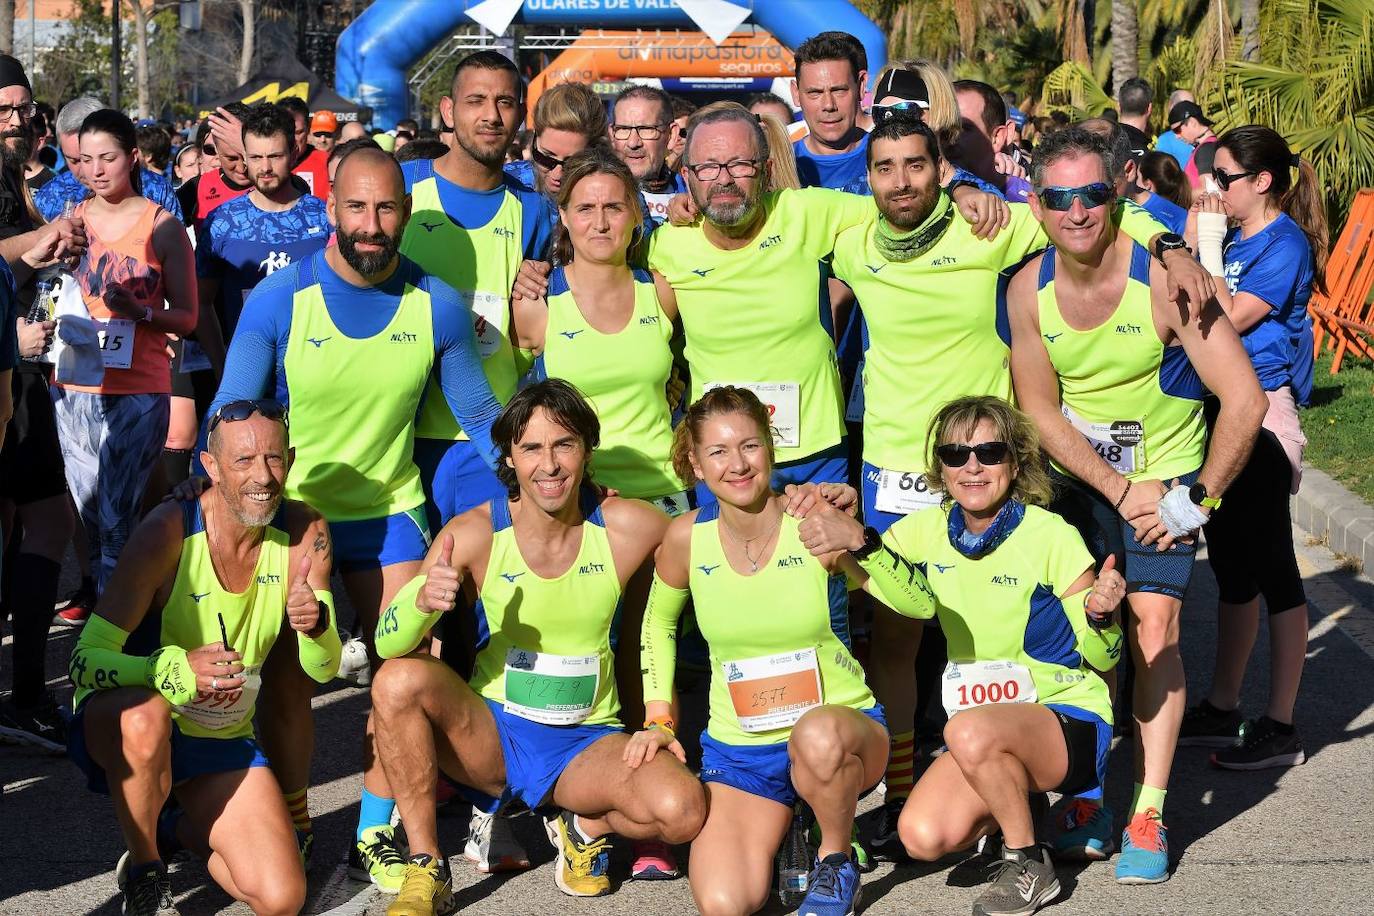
{"points": [[73, 610], [1144, 855], [42, 725], [1021, 885], [833, 888], [1262, 745], [147, 892], [1206, 726], [427, 889], [886, 845], [492, 845], [354, 665], [377, 858], [653, 861], [583, 867], [1086, 833]]}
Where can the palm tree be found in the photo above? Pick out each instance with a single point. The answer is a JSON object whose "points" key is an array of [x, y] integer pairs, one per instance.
{"points": [[1125, 42]]}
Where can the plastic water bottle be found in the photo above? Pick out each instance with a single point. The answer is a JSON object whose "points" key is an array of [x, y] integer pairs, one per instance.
{"points": [[794, 863], [41, 310]]}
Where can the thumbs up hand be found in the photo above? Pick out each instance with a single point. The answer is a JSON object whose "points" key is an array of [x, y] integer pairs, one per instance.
{"points": [[440, 592], [1108, 590], [302, 607]]}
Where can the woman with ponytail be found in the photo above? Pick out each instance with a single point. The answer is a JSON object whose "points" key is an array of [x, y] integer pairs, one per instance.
{"points": [[1265, 234]]}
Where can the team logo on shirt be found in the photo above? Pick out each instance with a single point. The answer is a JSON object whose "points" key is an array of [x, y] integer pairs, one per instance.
{"points": [[702, 271], [319, 340], [1051, 338], [1128, 329], [939, 568], [944, 261], [503, 232], [275, 260], [770, 242], [269, 579], [405, 337], [591, 569], [196, 598], [570, 334], [430, 227], [649, 319], [511, 577], [787, 562], [875, 269], [1004, 579], [707, 570]]}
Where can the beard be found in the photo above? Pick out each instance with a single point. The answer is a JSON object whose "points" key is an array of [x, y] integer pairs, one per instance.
{"points": [[250, 513], [729, 216], [909, 214], [15, 147], [492, 158], [368, 263]]}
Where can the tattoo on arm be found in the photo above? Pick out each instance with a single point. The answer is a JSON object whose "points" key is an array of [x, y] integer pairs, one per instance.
{"points": [[321, 544]]}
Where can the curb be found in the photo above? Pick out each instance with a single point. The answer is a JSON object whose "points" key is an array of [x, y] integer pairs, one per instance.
{"points": [[1323, 507]]}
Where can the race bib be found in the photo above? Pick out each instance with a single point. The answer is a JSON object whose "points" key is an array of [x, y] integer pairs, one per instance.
{"points": [[219, 709], [783, 400], [854, 409], [673, 505], [903, 493], [193, 358], [773, 691], [488, 320], [969, 684], [551, 689], [117, 343], [1120, 443]]}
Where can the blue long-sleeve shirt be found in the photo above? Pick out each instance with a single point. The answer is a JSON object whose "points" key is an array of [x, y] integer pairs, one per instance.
{"points": [[50, 198]]}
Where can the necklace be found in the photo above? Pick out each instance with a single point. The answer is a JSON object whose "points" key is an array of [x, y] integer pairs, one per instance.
{"points": [[745, 542]]}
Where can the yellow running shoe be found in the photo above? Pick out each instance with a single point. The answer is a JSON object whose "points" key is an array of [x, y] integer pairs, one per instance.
{"points": [[427, 889], [377, 858], [583, 866]]}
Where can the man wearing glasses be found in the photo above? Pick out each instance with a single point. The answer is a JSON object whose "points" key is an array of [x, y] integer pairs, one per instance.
{"points": [[642, 120], [1113, 374]]}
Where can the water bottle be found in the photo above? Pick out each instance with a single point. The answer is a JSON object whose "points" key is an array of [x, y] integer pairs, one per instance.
{"points": [[41, 310], [794, 863]]}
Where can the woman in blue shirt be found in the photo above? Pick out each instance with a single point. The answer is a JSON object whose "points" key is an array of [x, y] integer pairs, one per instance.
{"points": [[1270, 255]]}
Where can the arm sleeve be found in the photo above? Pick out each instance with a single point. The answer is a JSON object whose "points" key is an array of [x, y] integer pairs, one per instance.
{"points": [[896, 581], [98, 662], [1100, 648], [658, 639], [321, 654], [459, 366], [980, 184], [402, 624], [1067, 559], [1139, 223]]}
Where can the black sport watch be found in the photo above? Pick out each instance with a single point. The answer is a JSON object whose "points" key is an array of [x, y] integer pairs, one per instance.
{"points": [[1168, 241], [1198, 494], [872, 541]]}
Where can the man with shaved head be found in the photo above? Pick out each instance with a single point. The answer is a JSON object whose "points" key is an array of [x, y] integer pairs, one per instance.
{"points": [[348, 338]]}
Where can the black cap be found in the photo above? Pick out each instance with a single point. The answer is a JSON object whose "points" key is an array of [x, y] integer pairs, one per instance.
{"points": [[1185, 110], [904, 84], [12, 73]]}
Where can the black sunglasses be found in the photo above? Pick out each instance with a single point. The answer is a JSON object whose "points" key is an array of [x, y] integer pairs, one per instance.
{"points": [[1225, 179], [546, 161], [956, 456], [235, 411]]}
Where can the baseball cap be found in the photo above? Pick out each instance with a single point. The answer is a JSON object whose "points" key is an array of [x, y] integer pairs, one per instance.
{"points": [[324, 121], [1185, 110], [1017, 116], [904, 84]]}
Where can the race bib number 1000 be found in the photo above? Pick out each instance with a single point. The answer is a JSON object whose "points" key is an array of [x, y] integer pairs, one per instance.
{"points": [[783, 400], [969, 684]]}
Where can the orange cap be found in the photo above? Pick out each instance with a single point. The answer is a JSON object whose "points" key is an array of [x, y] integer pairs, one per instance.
{"points": [[324, 121]]}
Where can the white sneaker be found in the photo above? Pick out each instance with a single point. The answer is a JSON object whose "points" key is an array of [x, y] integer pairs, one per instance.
{"points": [[492, 846], [354, 666]]}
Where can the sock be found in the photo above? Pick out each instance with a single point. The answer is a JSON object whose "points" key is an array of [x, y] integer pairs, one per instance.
{"points": [[1031, 852], [140, 868], [577, 826], [176, 465], [374, 812], [299, 809], [1147, 797], [900, 766], [32, 594]]}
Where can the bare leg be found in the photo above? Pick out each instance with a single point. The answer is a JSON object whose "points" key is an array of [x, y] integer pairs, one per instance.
{"points": [[944, 814], [1287, 655], [836, 753], [732, 857], [658, 800], [1160, 688], [128, 733], [1237, 627], [286, 724]]}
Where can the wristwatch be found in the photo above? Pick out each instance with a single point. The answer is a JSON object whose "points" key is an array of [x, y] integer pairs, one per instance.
{"points": [[872, 541], [1198, 494], [1168, 241]]}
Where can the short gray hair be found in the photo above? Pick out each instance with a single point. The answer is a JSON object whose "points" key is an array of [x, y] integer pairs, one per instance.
{"points": [[724, 113], [74, 113], [1071, 141]]}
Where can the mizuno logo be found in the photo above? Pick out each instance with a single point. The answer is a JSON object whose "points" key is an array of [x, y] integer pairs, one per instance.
{"points": [[875, 269], [940, 569], [318, 340], [1052, 337], [707, 570], [570, 334], [196, 598], [511, 577], [430, 227], [702, 271]]}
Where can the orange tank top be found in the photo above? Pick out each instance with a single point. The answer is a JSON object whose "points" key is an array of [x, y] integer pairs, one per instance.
{"points": [[131, 262]]}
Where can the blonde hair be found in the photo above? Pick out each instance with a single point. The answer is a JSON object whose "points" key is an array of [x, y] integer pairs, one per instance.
{"points": [[725, 399], [1030, 482], [943, 115], [571, 107]]}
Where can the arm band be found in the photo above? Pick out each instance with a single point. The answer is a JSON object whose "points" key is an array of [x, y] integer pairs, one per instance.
{"points": [[320, 655], [1211, 232], [402, 624], [899, 583], [658, 639], [98, 662], [1100, 648]]}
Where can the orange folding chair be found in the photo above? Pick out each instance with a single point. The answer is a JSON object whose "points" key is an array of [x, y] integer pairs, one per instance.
{"points": [[1342, 315]]}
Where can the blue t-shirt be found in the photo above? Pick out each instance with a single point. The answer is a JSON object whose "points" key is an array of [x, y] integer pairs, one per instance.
{"points": [[1171, 143], [474, 209], [240, 245], [1167, 212], [1276, 265], [838, 171], [50, 198]]}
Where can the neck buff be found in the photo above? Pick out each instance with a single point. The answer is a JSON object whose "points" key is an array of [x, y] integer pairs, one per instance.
{"points": [[1008, 518], [895, 245]]}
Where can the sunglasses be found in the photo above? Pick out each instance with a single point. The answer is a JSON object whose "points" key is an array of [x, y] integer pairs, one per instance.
{"points": [[546, 161], [1092, 195], [323, 133], [235, 411], [1225, 180], [882, 113], [988, 453], [208, 149]]}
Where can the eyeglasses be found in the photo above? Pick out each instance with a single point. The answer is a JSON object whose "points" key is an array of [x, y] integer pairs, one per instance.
{"points": [[546, 161], [25, 111], [881, 113], [988, 453], [235, 411], [645, 131], [1225, 179], [737, 168], [1092, 195]]}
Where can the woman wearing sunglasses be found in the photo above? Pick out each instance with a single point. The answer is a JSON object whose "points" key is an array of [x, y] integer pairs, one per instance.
{"points": [[1025, 620], [1270, 255]]}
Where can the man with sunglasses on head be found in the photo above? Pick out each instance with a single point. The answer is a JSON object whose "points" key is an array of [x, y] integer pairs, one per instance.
{"points": [[641, 125], [208, 594], [1113, 373]]}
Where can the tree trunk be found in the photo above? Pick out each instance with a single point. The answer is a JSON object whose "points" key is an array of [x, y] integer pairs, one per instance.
{"points": [[141, 17], [7, 27], [1125, 42], [246, 7], [1250, 30]]}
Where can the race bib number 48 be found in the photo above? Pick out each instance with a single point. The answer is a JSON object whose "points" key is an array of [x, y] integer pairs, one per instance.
{"points": [[551, 689], [1120, 443], [969, 684], [773, 691], [783, 400]]}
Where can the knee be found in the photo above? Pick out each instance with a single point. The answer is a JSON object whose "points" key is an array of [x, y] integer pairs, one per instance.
{"points": [[1155, 634], [721, 899], [398, 685], [969, 741], [922, 838], [680, 812], [145, 730], [281, 894], [817, 746]]}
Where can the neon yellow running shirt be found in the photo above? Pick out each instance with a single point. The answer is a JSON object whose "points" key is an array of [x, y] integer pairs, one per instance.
{"points": [[752, 315]]}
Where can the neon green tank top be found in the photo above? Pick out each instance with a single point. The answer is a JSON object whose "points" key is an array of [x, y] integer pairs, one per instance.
{"points": [[770, 635], [334, 379], [544, 645], [623, 375], [752, 315], [1138, 402], [481, 265]]}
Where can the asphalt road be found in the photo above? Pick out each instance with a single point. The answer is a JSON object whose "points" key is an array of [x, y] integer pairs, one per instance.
{"points": [[1277, 841]]}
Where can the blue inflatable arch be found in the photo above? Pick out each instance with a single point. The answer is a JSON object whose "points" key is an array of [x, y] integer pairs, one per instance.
{"points": [[377, 49]]}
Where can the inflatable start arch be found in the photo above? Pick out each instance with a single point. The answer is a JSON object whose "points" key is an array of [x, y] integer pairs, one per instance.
{"points": [[375, 52]]}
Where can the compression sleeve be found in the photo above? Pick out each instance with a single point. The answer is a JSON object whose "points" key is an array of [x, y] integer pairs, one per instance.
{"points": [[969, 178], [98, 662], [658, 639], [321, 654], [464, 384], [1100, 648], [402, 624], [899, 583]]}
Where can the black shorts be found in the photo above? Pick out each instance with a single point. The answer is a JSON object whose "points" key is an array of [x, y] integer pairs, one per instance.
{"points": [[198, 385], [31, 461], [1088, 740]]}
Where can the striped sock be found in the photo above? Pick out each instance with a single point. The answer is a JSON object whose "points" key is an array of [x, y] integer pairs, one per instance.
{"points": [[299, 809], [900, 766]]}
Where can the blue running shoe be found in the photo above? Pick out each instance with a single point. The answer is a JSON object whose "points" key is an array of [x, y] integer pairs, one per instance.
{"points": [[1144, 850], [1087, 834], [833, 889]]}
